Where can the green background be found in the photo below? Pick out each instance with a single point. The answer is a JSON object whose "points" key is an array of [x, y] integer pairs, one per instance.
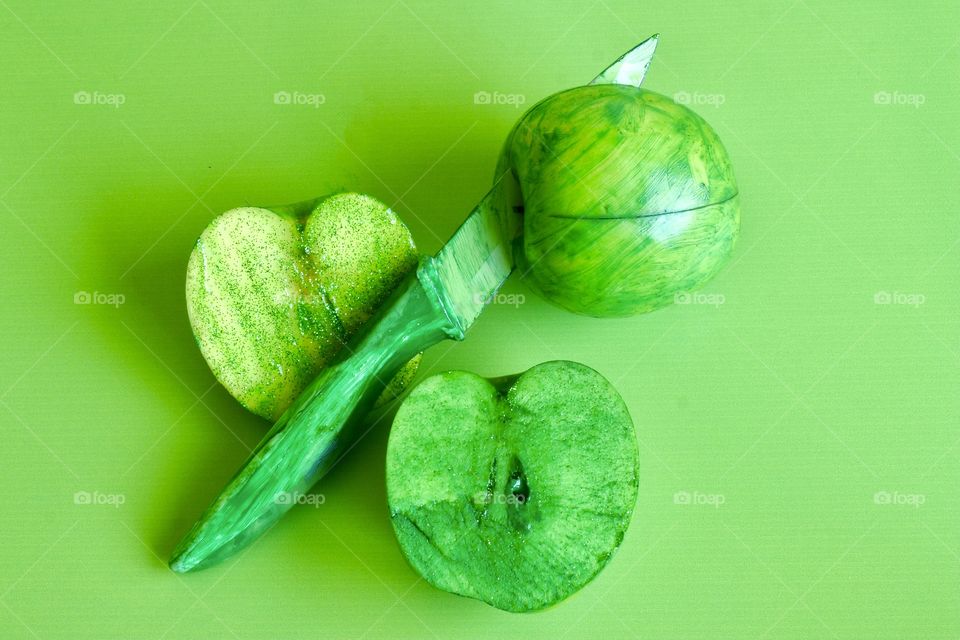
{"points": [[798, 435]]}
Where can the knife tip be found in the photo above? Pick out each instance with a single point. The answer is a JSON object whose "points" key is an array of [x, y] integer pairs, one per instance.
{"points": [[181, 561], [178, 566], [189, 554], [201, 549]]}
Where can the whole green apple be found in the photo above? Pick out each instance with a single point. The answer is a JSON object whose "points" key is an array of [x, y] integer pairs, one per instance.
{"points": [[628, 199]]}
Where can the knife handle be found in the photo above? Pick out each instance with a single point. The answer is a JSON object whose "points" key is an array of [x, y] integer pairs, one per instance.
{"points": [[311, 435]]}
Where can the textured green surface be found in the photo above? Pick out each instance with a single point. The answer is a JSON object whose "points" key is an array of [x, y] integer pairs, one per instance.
{"points": [[516, 496], [785, 388], [274, 294], [629, 199]]}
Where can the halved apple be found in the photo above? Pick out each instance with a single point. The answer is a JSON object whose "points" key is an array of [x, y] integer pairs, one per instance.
{"points": [[515, 491], [274, 293]]}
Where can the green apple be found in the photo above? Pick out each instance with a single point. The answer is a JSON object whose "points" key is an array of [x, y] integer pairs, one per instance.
{"points": [[628, 199], [514, 491], [274, 293]]}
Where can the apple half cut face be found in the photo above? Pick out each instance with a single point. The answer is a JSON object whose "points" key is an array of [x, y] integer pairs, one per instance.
{"points": [[514, 491], [274, 293]]}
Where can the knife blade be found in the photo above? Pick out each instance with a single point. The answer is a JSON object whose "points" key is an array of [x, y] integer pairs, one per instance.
{"points": [[630, 68], [440, 300], [476, 261]]}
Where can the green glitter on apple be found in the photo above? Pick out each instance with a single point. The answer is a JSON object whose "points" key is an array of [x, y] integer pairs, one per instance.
{"points": [[273, 294]]}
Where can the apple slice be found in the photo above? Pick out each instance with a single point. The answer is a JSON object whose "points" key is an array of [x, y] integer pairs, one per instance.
{"points": [[514, 491], [274, 293]]}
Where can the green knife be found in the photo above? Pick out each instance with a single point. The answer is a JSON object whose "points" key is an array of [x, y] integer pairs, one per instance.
{"points": [[441, 300]]}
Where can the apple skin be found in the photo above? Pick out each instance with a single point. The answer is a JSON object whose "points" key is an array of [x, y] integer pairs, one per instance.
{"points": [[629, 199]]}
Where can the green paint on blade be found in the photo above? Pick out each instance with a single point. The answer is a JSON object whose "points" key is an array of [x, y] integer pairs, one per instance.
{"points": [[476, 261], [515, 491]]}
